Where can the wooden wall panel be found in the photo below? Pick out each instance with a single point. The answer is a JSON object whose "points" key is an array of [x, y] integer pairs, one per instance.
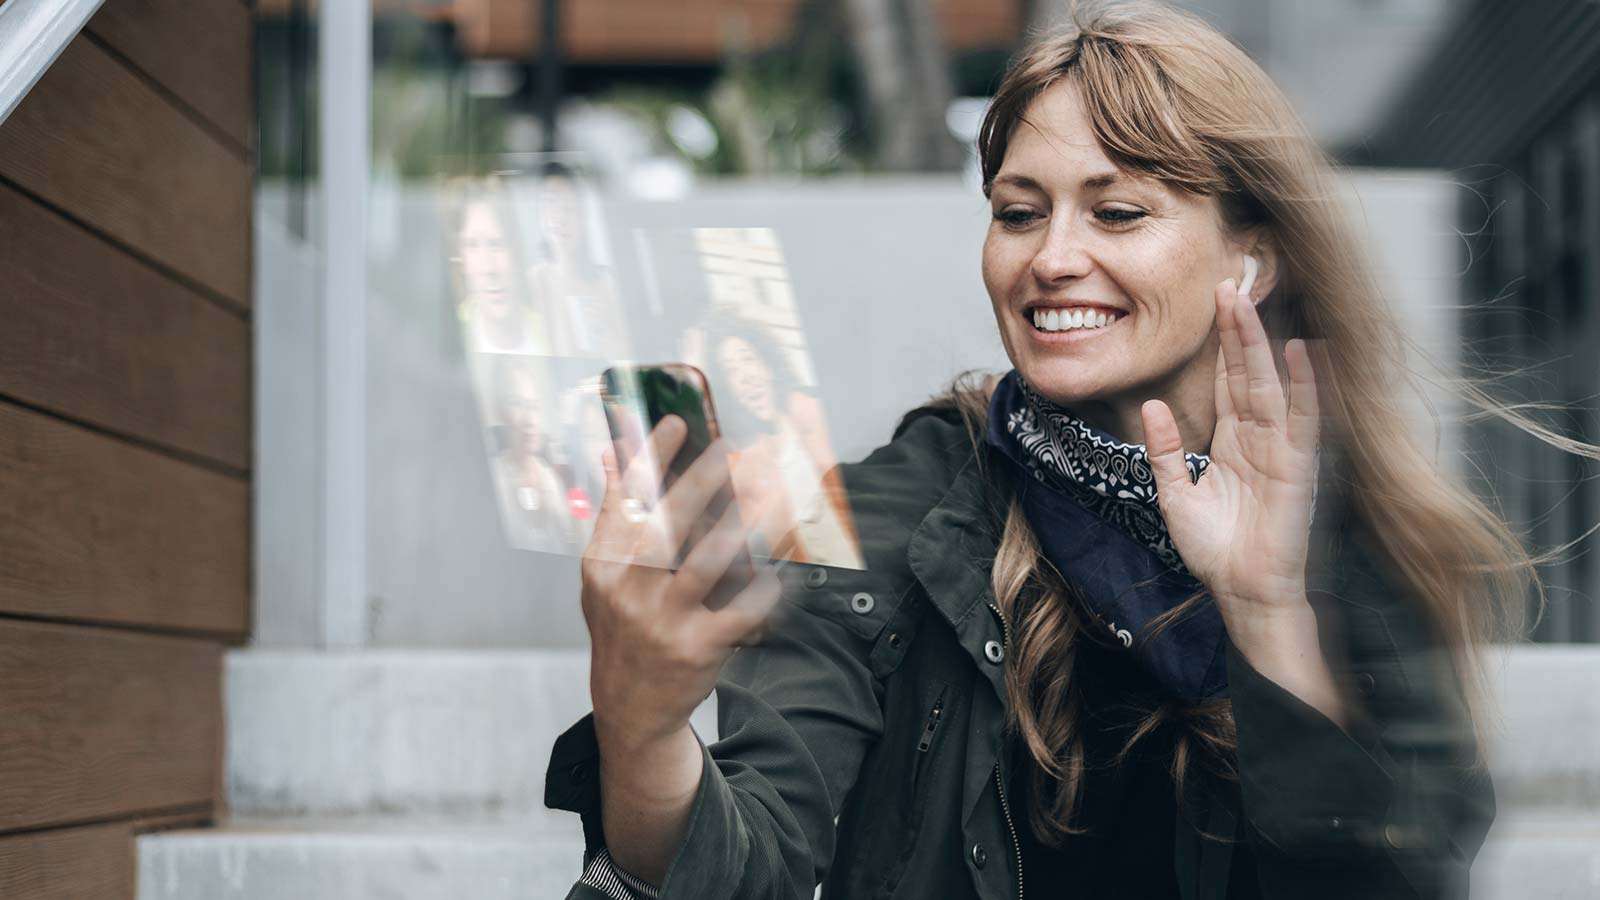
{"points": [[101, 723], [97, 141], [97, 529], [192, 48], [93, 862], [68, 864], [97, 335]]}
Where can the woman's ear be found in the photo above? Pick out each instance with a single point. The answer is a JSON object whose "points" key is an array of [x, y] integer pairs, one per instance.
{"points": [[1267, 268]]}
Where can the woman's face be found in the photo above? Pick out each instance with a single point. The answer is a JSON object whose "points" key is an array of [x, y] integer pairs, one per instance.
{"points": [[559, 213], [1073, 236], [748, 376], [525, 413], [485, 261]]}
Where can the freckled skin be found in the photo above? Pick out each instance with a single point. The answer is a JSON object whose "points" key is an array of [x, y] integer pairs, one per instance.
{"points": [[1061, 239]]}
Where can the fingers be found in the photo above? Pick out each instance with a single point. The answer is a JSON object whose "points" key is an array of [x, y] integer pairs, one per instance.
{"points": [[710, 559], [690, 495], [744, 618], [642, 478], [617, 528], [1164, 444], [1223, 398], [1233, 359], [1304, 418], [1265, 388]]}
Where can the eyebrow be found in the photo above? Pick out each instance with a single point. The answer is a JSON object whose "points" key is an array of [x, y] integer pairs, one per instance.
{"points": [[1100, 180]]}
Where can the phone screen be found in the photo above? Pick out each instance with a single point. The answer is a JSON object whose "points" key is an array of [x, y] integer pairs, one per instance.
{"points": [[637, 398]]}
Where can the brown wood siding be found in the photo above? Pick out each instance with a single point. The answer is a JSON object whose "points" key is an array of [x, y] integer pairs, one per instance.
{"points": [[98, 336], [100, 530], [103, 724], [125, 444], [97, 141], [92, 862], [190, 48]]}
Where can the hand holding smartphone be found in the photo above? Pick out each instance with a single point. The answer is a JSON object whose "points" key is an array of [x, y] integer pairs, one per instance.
{"points": [[636, 400]]}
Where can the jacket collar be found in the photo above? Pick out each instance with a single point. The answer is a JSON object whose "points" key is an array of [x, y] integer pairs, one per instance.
{"points": [[950, 553]]}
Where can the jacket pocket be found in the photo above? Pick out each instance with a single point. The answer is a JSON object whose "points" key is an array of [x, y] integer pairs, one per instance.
{"points": [[926, 753]]}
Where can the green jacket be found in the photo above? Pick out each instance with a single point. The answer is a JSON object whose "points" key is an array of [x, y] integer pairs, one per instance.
{"points": [[827, 771]]}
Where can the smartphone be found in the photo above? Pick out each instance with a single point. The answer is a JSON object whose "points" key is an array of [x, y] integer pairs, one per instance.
{"points": [[636, 399]]}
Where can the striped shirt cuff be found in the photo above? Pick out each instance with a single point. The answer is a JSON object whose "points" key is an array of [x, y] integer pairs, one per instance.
{"points": [[604, 875]]}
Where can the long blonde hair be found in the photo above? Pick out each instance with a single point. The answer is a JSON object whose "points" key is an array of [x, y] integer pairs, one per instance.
{"points": [[1169, 97]]}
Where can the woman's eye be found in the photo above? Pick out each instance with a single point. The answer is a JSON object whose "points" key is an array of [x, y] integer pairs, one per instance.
{"points": [[1114, 216], [1016, 218]]}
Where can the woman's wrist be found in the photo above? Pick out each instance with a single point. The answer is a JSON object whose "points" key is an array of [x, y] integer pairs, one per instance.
{"points": [[653, 767], [1283, 644]]}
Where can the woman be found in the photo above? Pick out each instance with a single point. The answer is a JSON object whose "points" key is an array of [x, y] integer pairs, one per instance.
{"points": [[782, 471], [1098, 650], [586, 319], [493, 304], [534, 493]]}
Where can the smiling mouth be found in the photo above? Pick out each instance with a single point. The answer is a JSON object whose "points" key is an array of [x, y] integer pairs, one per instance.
{"points": [[1053, 320]]}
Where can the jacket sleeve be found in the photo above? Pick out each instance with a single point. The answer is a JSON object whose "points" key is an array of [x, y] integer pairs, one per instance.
{"points": [[1395, 806], [796, 714]]}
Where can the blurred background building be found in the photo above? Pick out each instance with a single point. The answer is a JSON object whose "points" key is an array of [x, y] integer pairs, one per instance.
{"points": [[382, 727]]}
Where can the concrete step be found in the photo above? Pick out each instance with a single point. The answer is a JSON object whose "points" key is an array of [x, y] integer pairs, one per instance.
{"points": [[366, 861], [468, 734], [1548, 856], [402, 734], [1547, 752]]}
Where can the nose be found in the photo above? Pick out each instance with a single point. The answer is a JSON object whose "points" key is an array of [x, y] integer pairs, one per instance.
{"points": [[1061, 254]]}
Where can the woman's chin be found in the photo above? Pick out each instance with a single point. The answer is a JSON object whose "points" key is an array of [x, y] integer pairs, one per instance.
{"points": [[1063, 382]]}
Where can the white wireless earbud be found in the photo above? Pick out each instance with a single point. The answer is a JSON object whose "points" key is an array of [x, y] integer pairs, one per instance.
{"points": [[1249, 280]]}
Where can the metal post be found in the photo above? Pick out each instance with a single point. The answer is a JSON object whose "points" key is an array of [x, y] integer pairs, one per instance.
{"points": [[550, 63], [345, 78]]}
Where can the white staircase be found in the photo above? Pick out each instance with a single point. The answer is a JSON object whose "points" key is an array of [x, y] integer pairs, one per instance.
{"points": [[381, 775], [386, 774]]}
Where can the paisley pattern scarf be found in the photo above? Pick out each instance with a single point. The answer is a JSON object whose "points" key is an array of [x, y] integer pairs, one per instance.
{"points": [[1112, 478], [1091, 500]]}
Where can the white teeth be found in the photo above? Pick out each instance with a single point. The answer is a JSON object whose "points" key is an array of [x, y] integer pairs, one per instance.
{"points": [[1066, 320]]}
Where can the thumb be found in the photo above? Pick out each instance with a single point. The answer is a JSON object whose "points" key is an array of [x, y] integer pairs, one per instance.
{"points": [[1164, 445]]}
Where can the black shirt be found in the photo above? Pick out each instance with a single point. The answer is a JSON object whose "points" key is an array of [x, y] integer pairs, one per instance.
{"points": [[1129, 809]]}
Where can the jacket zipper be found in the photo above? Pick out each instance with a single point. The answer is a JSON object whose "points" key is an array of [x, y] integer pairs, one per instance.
{"points": [[999, 782], [933, 722], [1005, 807]]}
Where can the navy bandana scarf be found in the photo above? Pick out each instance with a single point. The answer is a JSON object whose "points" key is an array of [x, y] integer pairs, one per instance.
{"points": [[1091, 500]]}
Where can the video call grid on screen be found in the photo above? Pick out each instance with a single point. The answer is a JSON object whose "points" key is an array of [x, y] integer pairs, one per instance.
{"points": [[545, 304]]}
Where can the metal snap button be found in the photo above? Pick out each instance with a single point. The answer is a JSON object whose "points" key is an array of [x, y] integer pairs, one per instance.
{"points": [[993, 652], [979, 855], [1366, 685], [894, 639], [816, 578], [1400, 837], [1336, 823], [579, 773], [861, 603]]}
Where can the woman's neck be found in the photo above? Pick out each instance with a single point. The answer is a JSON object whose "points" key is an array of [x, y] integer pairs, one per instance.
{"points": [[1121, 417]]}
